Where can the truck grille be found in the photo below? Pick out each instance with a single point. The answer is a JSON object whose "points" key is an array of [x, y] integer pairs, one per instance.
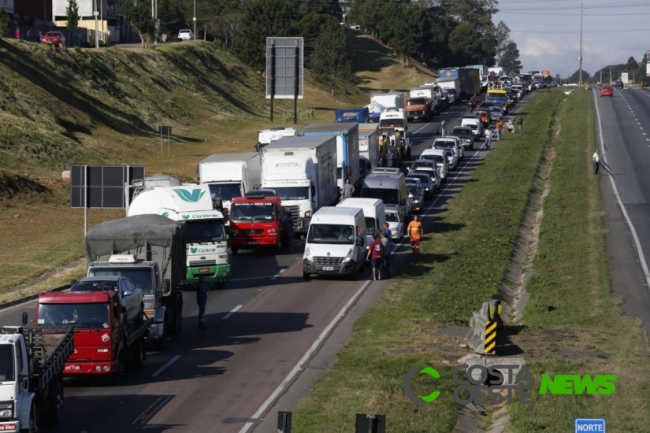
{"points": [[329, 261], [203, 263], [295, 214]]}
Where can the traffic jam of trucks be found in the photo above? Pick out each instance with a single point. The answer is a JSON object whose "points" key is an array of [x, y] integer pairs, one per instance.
{"points": [[175, 234]]}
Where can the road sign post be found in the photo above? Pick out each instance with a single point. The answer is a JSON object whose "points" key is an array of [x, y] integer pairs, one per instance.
{"points": [[285, 71], [584, 425]]}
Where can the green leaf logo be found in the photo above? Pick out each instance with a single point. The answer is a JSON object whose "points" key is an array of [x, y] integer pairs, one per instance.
{"points": [[190, 197], [186, 217], [193, 250], [165, 214]]}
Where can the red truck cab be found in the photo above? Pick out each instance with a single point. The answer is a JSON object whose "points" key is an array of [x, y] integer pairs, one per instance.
{"points": [[418, 108], [255, 222], [100, 334]]}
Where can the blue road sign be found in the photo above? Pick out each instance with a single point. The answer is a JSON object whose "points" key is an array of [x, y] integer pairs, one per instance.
{"points": [[590, 425]]}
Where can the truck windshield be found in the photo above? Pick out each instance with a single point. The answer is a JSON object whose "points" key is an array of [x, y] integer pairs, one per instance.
{"points": [[292, 192], [225, 191], [205, 231], [79, 315], [392, 123], [417, 101], [389, 196], [259, 211], [140, 277], [7, 371], [331, 234]]}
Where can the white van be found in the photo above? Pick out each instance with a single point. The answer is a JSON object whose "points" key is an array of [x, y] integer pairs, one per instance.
{"points": [[333, 246], [374, 212], [475, 124]]}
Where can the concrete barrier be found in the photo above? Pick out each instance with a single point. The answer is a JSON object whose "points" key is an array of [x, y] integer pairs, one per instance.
{"points": [[484, 324]]}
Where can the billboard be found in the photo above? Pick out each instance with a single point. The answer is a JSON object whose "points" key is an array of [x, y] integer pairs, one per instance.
{"points": [[284, 62], [624, 77]]}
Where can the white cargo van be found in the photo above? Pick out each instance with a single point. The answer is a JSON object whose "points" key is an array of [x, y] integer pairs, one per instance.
{"points": [[333, 246], [374, 212]]}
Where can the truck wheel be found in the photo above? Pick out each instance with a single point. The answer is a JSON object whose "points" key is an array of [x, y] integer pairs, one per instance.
{"points": [[32, 427], [55, 409], [234, 251], [140, 319], [220, 285]]}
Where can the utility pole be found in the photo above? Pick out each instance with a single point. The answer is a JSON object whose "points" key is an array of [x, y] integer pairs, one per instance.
{"points": [[601, 75], [96, 24], [580, 58], [195, 35]]}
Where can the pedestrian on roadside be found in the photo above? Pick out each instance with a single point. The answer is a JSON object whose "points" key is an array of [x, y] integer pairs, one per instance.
{"points": [[596, 159], [17, 33], [520, 124], [415, 232], [30, 34], [202, 288], [499, 127], [388, 251], [287, 232], [348, 189], [488, 139], [443, 125], [376, 256]]}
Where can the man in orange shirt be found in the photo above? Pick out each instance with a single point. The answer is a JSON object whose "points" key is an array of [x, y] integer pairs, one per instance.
{"points": [[499, 127], [415, 232]]}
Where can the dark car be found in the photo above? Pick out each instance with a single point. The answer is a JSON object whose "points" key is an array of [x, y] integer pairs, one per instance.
{"points": [[618, 84], [466, 135]]}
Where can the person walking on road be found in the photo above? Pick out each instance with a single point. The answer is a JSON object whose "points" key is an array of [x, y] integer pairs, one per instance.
{"points": [[348, 189], [520, 124], [596, 159], [388, 250], [202, 298], [376, 256], [443, 125], [488, 139], [415, 232], [287, 232]]}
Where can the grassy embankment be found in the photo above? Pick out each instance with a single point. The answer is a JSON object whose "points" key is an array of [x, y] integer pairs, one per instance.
{"points": [[104, 107], [461, 267]]}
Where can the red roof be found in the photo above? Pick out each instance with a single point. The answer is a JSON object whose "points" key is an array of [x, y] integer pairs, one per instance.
{"points": [[75, 297]]}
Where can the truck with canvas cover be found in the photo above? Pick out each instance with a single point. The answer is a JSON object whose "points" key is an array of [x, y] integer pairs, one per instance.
{"points": [[105, 343], [230, 175], [302, 172], [150, 251], [207, 242], [352, 115], [31, 377], [347, 149], [255, 223]]}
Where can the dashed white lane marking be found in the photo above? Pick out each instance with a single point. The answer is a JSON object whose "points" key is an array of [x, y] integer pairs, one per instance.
{"points": [[231, 312]]}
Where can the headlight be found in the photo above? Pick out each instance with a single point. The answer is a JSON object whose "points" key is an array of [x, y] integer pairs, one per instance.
{"points": [[307, 214], [307, 255], [349, 256], [6, 409], [271, 231]]}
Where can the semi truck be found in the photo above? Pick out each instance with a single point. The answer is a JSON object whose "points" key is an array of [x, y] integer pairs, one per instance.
{"points": [[347, 149], [302, 172], [469, 80], [31, 381], [230, 175], [207, 241], [150, 251], [105, 343]]}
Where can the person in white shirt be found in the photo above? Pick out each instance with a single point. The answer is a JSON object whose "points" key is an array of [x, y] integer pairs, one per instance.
{"points": [[596, 159], [488, 138]]}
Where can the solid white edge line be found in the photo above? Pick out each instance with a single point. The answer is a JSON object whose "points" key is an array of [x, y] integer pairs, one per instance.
{"points": [[166, 366], [278, 274], [231, 312], [269, 401], [620, 203]]}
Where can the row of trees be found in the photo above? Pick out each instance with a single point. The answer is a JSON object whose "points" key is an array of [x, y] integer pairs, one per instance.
{"points": [[438, 33], [610, 73]]}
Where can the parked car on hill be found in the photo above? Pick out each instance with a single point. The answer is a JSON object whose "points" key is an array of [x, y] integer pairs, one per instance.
{"points": [[53, 37], [185, 35]]}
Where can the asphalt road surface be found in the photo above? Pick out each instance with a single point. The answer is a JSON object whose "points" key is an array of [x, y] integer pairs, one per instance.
{"points": [[263, 330], [623, 128]]}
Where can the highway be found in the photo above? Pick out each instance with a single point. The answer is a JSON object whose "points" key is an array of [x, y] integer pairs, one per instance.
{"points": [[623, 131], [263, 329]]}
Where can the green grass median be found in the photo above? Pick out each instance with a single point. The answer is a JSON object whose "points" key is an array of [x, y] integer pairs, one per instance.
{"points": [[464, 257]]}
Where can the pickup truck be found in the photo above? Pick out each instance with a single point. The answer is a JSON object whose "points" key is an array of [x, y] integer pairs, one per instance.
{"points": [[131, 297]]}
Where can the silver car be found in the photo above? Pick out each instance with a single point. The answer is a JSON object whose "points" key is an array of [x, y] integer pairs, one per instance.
{"points": [[131, 297], [395, 224], [430, 183]]}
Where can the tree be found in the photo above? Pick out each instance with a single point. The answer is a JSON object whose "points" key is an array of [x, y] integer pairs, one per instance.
{"points": [[330, 60], [408, 32], [510, 59], [139, 16], [464, 44], [502, 37], [4, 21], [226, 28], [72, 14]]}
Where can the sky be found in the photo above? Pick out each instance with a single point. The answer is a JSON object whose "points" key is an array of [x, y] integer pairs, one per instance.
{"points": [[547, 33]]}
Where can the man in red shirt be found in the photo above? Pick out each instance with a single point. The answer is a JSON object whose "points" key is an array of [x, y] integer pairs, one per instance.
{"points": [[376, 254]]}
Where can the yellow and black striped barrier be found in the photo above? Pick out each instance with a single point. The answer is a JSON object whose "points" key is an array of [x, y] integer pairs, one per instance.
{"points": [[490, 344], [494, 312]]}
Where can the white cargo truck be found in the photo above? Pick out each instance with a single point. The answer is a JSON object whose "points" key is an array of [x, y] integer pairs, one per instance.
{"points": [[302, 171], [230, 175], [266, 136], [368, 148], [207, 244]]}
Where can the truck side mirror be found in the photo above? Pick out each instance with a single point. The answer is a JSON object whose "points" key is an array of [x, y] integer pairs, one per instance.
{"points": [[25, 318], [166, 285]]}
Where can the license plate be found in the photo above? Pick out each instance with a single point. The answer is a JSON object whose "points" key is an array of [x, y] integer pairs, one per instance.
{"points": [[204, 270], [328, 268]]}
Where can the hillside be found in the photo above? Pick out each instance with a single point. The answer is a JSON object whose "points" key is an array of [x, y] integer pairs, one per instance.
{"points": [[105, 106]]}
